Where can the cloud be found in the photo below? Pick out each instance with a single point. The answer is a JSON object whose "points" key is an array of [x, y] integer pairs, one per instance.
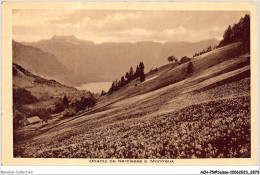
{"points": [[122, 25], [179, 30]]}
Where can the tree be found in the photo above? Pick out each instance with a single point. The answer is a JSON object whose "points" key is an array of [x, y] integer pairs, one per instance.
{"points": [[122, 81], [44, 115], [119, 84], [112, 88], [78, 105], [190, 68], [116, 85], [171, 59], [142, 78], [185, 59], [141, 71], [127, 77], [65, 101], [137, 72], [239, 32], [59, 107], [84, 102], [91, 101], [245, 35], [131, 74], [22, 96], [103, 93], [209, 49], [227, 35], [141, 67]]}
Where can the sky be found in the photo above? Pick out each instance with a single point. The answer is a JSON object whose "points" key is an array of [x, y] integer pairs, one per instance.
{"points": [[122, 25]]}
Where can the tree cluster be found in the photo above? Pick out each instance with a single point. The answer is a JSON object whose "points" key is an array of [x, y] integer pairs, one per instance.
{"points": [[22, 96], [153, 70], [172, 59], [204, 51], [77, 105], [239, 32], [84, 102], [129, 76], [44, 114], [63, 105], [184, 59], [60, 106]]}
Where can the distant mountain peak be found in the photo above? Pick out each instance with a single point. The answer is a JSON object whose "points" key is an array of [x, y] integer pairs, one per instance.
{"points": [[61, 37], [68, 39]]}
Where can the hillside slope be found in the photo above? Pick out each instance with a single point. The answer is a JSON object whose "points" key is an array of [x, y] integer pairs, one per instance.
{"points": [[172, 114], [102, 61], [38, 62], [32, 92]]}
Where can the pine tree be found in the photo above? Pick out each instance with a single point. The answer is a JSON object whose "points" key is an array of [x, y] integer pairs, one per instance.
{"points": [[127, 77], [119, 84], [227, 35], [112, 88], [116, 85], [137, 72], [141, 69], [239, 32], [131, 74], [122, 81]]}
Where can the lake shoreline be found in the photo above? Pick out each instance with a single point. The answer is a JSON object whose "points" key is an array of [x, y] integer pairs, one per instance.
{"points": [[95, 87]]}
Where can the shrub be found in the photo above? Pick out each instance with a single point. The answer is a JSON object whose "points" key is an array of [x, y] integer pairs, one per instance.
{"points": [[69, 113]]}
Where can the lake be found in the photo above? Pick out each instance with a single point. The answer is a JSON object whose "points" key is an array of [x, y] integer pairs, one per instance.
{"points": [[96, 87]]}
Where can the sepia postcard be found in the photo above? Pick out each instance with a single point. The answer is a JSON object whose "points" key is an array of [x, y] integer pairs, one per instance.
{"points": [[129, 83]]}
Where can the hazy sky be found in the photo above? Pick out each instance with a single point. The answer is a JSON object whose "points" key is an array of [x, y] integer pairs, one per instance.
{"points": [[122, 26]]}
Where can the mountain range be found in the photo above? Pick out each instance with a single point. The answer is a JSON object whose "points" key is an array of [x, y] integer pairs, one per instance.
{"points": [[87, 61]]}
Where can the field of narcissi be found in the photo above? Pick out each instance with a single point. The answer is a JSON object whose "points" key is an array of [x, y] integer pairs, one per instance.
{"points": [[203, 115]]}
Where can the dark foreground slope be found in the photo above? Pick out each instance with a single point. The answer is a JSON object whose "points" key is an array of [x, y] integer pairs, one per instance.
{"points": [[201, 115]]}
